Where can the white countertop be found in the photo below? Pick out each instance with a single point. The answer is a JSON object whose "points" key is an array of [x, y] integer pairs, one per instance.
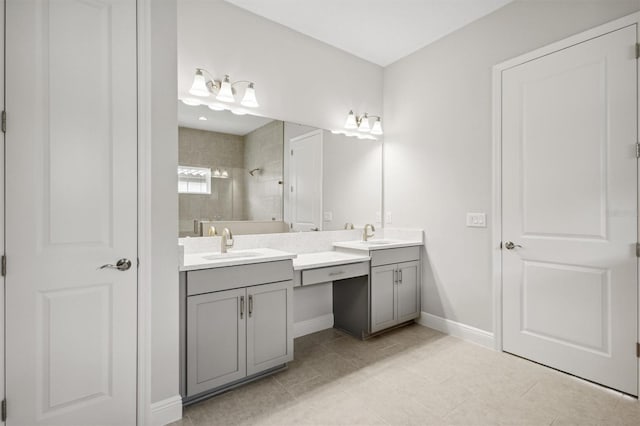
{"points": [[197, 261], [374, 244], [326, 258]]}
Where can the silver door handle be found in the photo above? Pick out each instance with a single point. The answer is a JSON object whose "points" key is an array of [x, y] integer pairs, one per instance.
{"points": [[510, 245], [241, 307], [395, 275], [121, 265], [250, 305], [400, 276]]}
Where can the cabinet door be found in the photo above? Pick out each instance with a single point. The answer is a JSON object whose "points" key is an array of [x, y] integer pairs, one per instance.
{"points": [[383, 297], [216, 340], [408, 293], [269, 326]]}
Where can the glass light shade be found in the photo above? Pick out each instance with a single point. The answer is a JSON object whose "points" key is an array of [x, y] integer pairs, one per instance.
{"points": [[199, 86], [364, 124], [377, 128], [216, 172], [249, 99], [217, 107], [351, 121], [202, 118], [225, 173], [226, 93]]}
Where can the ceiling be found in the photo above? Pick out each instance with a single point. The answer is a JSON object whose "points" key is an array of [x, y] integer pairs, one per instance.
{"points": [[218, 121], [380, 31]]}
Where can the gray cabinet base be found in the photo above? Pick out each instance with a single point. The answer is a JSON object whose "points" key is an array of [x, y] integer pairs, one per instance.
{"points": [[351, 306], [222, 389]]}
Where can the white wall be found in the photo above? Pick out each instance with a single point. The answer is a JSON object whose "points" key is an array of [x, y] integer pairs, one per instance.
{"points": [[298, 79], [438, 160], [164, 201]]}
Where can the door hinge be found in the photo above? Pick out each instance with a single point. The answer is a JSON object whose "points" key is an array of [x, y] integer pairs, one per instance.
{"points": [[291, 152], [4, 121], [637, 249], [637, 50], [3, 267], [637, 352], [638, 150], [4, 410]]}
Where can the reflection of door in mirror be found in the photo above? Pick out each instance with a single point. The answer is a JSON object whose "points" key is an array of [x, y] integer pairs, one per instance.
{"points": [[305, 180]]}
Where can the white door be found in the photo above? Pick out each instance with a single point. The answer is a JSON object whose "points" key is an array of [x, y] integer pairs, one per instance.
{"points": [[71, 207], [569, 125], [305, 178]]}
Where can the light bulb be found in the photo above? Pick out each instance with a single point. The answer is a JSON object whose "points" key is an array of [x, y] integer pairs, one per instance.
{"points": [[351, 121], [364, 124], [226, 93], [377, 127], [249, 99], [199, 86]]}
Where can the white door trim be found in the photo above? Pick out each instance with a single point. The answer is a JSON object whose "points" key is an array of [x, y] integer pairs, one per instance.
{"points": [[633, 19], [144, 212]]}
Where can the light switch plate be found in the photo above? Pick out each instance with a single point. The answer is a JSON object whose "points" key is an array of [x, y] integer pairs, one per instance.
{"points": [[388, 217], [328, 216], [378, 217], [477, 220]]}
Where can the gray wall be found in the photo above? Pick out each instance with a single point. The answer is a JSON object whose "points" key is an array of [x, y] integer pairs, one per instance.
{"points": [[438, 158], [164, 201]]}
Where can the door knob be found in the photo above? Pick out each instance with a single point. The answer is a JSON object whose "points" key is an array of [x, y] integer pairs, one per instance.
{"points": [[510, 245], [121, 265]]}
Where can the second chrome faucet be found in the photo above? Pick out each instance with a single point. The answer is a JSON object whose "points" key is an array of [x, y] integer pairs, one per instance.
{"points": [[365, 232], [226, 240]]}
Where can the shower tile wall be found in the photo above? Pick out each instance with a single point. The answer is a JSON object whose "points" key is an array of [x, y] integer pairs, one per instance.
{"points": [[202, 148], [263, 149]]}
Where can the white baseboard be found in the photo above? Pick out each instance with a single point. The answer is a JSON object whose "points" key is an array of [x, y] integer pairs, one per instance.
{"points": [[166, 411], [456, 329], [312, 325]]}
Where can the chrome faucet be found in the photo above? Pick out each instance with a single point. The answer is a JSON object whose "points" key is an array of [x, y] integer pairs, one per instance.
{"points": [[365, 232], [226, 240], [212, 231], [348, 225]]}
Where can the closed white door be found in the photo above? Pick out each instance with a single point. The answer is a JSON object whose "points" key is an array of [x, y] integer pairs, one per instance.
{"points": [[305, 177], [71, 179], [570, 284]]}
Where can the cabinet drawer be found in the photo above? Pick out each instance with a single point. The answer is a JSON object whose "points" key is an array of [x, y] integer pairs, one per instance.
{"points": [[394, 255], [332, 273], [225, 278]]}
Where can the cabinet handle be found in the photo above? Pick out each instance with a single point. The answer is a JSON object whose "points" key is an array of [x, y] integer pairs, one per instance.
{"points": [[250, 305], [395, 275], [333, 274], [241, 307], [400, 273]]}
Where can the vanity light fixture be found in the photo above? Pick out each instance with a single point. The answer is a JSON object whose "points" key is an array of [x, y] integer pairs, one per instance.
{"points": [[223, 89], [361, 123]]}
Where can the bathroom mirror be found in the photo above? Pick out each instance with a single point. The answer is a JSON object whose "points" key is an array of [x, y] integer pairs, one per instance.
{"points": [[258, 175]]}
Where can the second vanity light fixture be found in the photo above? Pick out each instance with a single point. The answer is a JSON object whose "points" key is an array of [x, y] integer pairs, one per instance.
{"points": [[223, 89], [361, 123]]}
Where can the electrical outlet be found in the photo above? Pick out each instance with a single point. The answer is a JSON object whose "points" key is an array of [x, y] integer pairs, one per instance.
{"points": [[378, 217], [476, 220], [328, 216]]}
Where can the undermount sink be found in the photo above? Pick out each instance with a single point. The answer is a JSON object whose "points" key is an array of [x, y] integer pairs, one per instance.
{"points": [[231, 255]]}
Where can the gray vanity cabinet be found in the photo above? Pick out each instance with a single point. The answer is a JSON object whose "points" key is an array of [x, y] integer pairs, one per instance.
{"points": [[216, 338], [395, 287], [269, 328], [238, 322]]}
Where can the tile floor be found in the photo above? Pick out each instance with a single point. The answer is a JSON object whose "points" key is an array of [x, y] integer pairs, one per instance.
{"points": [[412, 376]]}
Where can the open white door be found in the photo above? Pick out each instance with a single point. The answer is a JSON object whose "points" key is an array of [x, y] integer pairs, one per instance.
{"points": [[569, 216], [71, 207], [305, 177]]}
